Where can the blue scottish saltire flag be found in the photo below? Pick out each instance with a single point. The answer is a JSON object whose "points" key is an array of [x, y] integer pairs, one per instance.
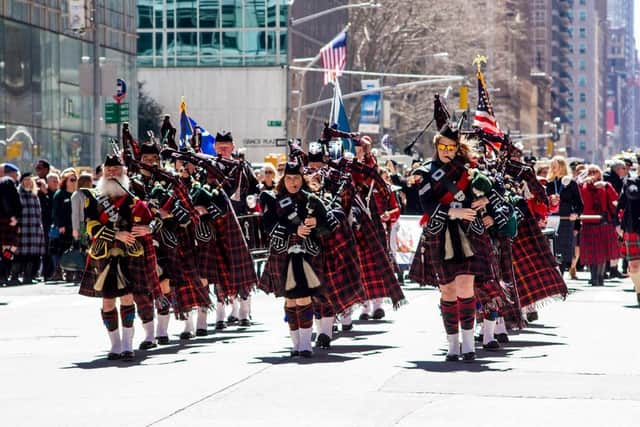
{"points": [[187, 124], [339, 116]]}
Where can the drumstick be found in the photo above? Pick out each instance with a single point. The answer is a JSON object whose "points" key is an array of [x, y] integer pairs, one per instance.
{"points": [[587, 217]]}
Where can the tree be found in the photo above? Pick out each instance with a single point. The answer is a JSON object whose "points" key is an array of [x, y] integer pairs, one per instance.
{"points": [[149, 114]]}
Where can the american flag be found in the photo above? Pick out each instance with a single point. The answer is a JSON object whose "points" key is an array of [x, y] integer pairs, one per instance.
{"points": [[334, 57], [484, 118]]}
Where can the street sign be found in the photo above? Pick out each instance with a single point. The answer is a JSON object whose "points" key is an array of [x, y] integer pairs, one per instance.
{"points": [[274, 123], [116, 113]]}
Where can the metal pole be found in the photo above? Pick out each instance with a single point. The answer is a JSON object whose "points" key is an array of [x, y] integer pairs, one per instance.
{"points": [[287, 125], [97, 86]]}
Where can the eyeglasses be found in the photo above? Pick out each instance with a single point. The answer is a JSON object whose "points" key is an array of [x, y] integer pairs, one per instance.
{"points": [[268, 172], [73, 179], [445, 147]]}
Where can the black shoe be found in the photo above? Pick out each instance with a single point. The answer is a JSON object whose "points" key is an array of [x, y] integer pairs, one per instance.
{"points": [[616, 274], [201, 332], [532, 317], [186, 336], [146, 345], [306, 354], [323, 341], [162, 340], [364, 316], [479, 338], [294, 353], [452, 358], [232, 319], [348, 327], [127, 356], [502, 338], [491, 345], [335, 328], [245, 323], [114, 356], [378, 314], [220, 325], [469, 357]]}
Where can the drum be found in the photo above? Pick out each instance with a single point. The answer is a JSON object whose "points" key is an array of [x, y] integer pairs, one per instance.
{"points": [[254, 235]]}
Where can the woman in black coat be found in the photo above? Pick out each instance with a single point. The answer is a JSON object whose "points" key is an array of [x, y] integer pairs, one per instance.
{"points": [[60, 234], [565, 201]]}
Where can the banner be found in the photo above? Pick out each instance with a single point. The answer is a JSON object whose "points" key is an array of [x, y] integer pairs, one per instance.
{"points": [[77, 15], [405, 236], [370, 108]]}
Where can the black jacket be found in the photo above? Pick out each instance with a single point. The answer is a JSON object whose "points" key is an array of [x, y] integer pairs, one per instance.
{"points": [[570, 198], [614, 179], [10, 205], [629, 202]]}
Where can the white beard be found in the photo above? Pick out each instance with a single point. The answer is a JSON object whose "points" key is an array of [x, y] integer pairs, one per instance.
{"points": [[110, 188]]}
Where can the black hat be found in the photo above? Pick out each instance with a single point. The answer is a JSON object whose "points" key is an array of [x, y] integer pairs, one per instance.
{"points": [[224, 137], [292, 168], [113, 160], [451, 131], [149, 148], [316, 152]]}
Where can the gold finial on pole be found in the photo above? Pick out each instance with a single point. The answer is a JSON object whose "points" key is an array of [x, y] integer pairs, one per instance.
{"points": [[480, 59]]}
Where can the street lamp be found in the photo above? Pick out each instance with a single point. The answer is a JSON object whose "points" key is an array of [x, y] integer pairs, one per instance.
{"points": [[291, 22]]}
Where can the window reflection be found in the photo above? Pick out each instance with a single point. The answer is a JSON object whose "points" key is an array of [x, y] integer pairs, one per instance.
{"points": [[145, 10], [222, 32]]}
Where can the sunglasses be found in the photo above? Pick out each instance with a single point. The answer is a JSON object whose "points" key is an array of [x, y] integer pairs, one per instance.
{"points": [[445, 147], [268, 172], [73, 179]]}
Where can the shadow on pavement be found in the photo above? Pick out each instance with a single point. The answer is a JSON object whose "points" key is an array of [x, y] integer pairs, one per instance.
{"points": [[524, 331], [521, 343], [634, 306], [479, 365], [174, 347], [538, 326], [318, 357], [355, 333]]}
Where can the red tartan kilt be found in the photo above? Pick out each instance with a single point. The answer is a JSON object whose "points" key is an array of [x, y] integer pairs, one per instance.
{"points": [[208, 259], [142, 269], [598, 244], [343, 285], [183, 274], [631, 245], [92, 270], [8, 234], [191, 295], [536, 272], [237, 275], [378, 277], [274, 276]]}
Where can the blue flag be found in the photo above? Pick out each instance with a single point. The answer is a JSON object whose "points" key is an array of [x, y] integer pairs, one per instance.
{"points": [[339, 117], [187, 124]]}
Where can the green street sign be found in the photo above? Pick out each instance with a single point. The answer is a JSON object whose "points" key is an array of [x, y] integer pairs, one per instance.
{"points": [[274, 123], [116, 113]]}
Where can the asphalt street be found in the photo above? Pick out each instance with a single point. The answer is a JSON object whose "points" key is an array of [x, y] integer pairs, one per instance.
{"points": [[577, 365]]}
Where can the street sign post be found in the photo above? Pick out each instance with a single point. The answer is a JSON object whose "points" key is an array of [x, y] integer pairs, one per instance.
{"points": [[274, 123], [116, 113]]}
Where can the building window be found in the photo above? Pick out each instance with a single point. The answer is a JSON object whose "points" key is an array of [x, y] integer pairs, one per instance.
{"points": [[583, 2], [582, 145], [583, 48], [582, 32], [582, 64], [583, 15], [583, 97], [583, 130], [582, 81], [582, 114]]}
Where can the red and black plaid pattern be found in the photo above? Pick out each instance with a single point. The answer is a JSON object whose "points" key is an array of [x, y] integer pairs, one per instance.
{"points": [[598, 244], [450, 316], [631, 245], [92, 270], [236, 274], [378, 277], [322, 307], [536, 272], [8, 234], [343, 284], [209, 259], [274, 277], [142, 269], [183, 274], [144, 306]]}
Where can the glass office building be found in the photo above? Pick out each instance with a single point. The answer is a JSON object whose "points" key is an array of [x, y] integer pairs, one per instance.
{"points": [[42, 113], [212, 33]]}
